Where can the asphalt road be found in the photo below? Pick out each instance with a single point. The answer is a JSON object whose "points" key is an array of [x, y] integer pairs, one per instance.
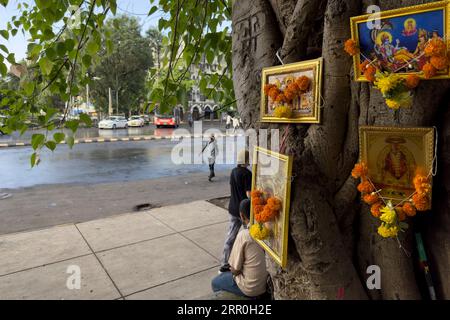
{"points": [[99, 180]]}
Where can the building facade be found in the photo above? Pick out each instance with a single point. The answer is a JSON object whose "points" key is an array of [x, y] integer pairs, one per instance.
{"points": [[202, 107]]}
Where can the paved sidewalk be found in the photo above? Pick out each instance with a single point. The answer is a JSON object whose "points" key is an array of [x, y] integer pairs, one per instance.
{"points": [[166, 253]]}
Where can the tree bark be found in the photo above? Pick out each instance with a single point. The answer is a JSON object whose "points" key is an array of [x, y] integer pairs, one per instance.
{"points": [[332, 236]]}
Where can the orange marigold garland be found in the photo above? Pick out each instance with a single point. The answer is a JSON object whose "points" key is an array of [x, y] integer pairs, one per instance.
{"points": [[409, 209], [370, 73], [421, 202], [412, 81], [283, 98], [375, 209], [435, 47], [371, 198], [351, 47], [400, 213], [366, 187], [429, 71], [303, 83], [439, 62], [265, 210], [391, 216], [360, 171]]}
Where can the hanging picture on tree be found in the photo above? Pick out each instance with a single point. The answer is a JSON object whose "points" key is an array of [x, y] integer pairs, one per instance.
{"points": [[271, 189], [405, 41], [394, 156], [291, 93]]}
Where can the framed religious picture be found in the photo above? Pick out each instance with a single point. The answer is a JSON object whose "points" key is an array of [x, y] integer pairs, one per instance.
{"points": [[393, 156], [395, 41], [271, 190], [291, 93]]}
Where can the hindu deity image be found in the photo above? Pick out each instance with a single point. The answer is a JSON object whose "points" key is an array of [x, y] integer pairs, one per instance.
{"points": [[421, 59], [398, 43], [391, 57], [410, 27], [396, 163]]}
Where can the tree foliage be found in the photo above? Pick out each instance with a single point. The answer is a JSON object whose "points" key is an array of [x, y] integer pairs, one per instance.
{"points": [[195, 32], [125, 69], [66, 36]]}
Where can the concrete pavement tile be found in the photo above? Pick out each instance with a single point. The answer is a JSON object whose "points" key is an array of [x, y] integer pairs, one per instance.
{"points": [[122, 230], [192, 215], [143, 265], [215, 235], [32, 249], [189, 288], [50, 282]]}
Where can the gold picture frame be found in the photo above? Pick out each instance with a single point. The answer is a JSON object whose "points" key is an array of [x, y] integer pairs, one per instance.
{"points": [[307, 108], [392, 156], [277, 182], [419, 23]]}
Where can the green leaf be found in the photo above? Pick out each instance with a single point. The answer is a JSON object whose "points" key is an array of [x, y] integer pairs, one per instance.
{"points": [[152, 10], [70, 141], [3, 69], [28, 87], [4, 48], [86, 119], [33, 159], [37, 140], [87, 61], [4, 34], [72, 125], [92, 48], [46, 66], [51, 145], [59, 137]]}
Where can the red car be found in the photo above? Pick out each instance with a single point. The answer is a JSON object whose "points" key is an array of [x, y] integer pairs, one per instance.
{"points": [[166, 121]]}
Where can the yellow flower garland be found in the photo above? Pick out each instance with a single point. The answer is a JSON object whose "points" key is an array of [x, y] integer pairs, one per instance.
{"points": [[259, 232]]}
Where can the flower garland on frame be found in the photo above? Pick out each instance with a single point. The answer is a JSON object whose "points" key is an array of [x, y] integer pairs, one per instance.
{"points": [[393, 217], [395, 88], [264, 211], [283, 98]]}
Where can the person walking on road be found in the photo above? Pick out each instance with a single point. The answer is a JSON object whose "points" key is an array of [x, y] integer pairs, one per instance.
{"points": [[212, 150], [190, 120], [228, 122], [236, 124], [241, 186]]}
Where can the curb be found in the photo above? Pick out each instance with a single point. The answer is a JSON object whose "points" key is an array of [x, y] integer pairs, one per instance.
{"points": [[124, 139]]}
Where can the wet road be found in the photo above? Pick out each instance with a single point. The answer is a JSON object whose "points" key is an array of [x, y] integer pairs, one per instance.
{"points": [[101, 163]]}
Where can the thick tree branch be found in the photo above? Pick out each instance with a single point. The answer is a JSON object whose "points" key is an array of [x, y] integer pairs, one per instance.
{"points": [[295, 43], [283, 10]]}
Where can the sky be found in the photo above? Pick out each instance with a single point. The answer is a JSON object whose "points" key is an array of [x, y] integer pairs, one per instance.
{"points": [[18, 44]]}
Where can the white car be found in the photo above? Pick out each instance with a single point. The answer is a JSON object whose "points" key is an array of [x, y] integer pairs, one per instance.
{"points": [[114, 122], [136, 121]]}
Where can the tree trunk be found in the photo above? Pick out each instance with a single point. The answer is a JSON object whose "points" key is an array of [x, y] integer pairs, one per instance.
{"points": [[333, 237]]}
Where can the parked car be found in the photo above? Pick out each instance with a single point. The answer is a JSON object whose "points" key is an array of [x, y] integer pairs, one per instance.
{"points": [[146, 118], [136, 121], [113, 122], [163, 120]]}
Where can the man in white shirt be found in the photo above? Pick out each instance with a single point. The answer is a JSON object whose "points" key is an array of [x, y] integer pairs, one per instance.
{"points": [[212, 151], [228, 121], [248, 275]]}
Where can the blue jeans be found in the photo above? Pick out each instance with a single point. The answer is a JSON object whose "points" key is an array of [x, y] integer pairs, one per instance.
{"points": [[233, 230], [225, 282]]}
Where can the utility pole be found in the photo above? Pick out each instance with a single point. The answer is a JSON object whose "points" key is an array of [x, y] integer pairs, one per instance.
{"points": [[87, 97], [117, 93], [110, 111]]}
